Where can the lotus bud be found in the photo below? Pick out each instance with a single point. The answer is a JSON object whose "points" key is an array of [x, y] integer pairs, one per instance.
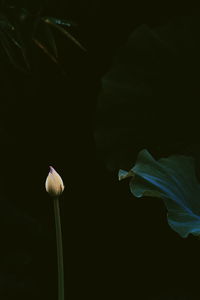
{"points": [[54, 184]]}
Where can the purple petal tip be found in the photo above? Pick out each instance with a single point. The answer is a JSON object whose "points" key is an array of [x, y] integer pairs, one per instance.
{"points": [[51, 169]]}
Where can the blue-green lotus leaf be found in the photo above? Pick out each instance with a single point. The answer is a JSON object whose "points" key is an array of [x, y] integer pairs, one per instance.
{"points": [[174, 180]]}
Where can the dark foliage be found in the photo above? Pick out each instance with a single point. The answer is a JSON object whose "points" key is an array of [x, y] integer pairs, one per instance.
{"points": [[23, 24], [47, 118]]}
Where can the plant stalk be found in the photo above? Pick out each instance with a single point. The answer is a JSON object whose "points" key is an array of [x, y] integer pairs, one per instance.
{"points": [[59, 249]]}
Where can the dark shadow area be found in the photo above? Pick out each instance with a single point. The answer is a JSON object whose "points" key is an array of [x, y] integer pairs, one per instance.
{"points": [[115, 246]]}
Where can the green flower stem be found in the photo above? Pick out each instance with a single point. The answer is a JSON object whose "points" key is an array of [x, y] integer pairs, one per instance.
{"points": [[59, 250]]}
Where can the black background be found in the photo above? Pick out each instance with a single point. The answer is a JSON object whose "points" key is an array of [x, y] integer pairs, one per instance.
{"points": [[115, 246]]}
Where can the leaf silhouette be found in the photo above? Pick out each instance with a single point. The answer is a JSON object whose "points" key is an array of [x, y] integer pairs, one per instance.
{"points": [[5, 43], [61, 21], [63, 31], [20, 27], [51, 40], [174, 180], [46, 51], [44, 34], [10, 34]]}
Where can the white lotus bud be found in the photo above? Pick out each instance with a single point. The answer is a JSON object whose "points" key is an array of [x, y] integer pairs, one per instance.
{"points": [[54, 184]]}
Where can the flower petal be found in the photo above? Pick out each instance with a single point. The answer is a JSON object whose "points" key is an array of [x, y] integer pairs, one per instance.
{"points": [[54, 184]]}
